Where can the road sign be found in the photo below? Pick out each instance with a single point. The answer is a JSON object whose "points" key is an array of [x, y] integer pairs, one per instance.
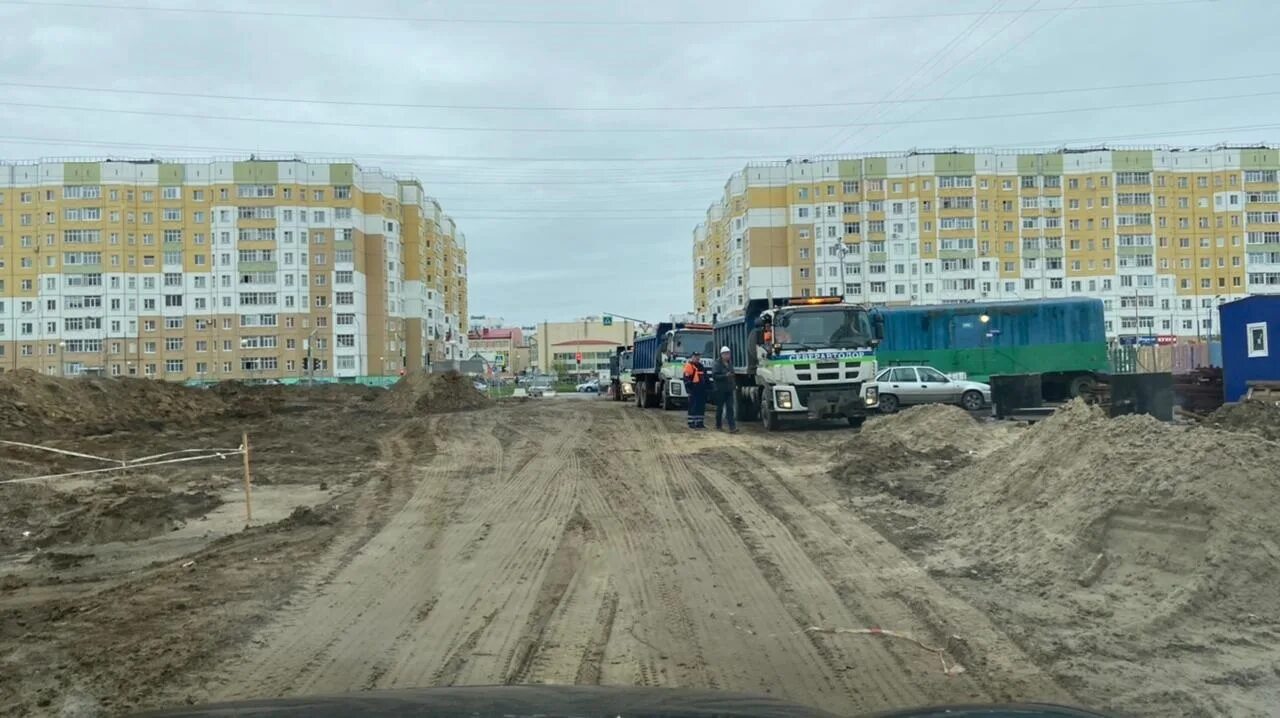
{"points": [[608, 320], [1166, 339]]}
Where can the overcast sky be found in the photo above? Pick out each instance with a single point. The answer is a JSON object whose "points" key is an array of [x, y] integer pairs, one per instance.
{"points": [[583, 220]]}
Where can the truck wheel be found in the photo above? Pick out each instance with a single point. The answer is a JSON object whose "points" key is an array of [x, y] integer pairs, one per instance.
{"points": [[856, 421], [640, 395], [743, 406], [1080, 386], [888, 403], [971, 400], [768, 416]]}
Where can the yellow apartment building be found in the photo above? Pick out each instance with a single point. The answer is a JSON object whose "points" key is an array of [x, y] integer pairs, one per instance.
{"points": [[216, 270], [1159, 235]]}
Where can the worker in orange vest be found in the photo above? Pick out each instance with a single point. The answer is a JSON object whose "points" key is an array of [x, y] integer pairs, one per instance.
{"points": [[695, 385]]}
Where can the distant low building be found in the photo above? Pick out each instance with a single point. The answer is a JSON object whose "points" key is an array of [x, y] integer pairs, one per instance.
{"points": [[558, 344], [501, 347]]}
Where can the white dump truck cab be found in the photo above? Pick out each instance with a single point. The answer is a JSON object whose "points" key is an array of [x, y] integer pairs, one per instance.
{"points": [[815, 358], [677, 346]]}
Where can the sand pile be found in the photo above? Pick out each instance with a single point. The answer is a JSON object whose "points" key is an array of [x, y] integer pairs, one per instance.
{"points": [[928, 427], [1139, 560], [424, 393], [32, 402], [1252, 416], [906, 454]]}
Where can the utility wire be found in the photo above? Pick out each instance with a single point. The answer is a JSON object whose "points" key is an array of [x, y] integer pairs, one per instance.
{"points": [[564, 22], [879, 109], [950, 69], [630, 130], [974, 75], [1056, 144], [797, 105]]}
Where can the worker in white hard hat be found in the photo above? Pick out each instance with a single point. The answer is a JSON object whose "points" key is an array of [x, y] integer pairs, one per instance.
{"points": [[722, 378]]}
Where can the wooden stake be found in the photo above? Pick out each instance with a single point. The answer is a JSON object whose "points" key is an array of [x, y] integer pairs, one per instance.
{"points": [[248, 500]]}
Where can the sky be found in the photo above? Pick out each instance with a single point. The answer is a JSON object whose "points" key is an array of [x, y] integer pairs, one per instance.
{"points": [[578, 143]]}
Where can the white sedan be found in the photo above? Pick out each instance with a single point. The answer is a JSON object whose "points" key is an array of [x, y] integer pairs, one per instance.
{"points": [[904, 385]]}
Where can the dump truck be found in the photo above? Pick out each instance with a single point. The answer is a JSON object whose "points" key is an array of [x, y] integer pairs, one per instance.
{"points": [[620, 382], [658, 362], [803, 357]]}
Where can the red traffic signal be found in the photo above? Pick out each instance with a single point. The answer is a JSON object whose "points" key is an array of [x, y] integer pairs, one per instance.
{"points": [[578, 356]]}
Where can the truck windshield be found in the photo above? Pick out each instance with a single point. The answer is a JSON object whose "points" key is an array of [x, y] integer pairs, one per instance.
{"points": [[842, 328], [687, 342]]}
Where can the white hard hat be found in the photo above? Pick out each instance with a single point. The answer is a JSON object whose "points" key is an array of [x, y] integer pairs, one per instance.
{"points": [[724, 350]]}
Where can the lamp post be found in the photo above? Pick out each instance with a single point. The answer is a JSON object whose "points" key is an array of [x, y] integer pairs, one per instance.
{"points": [[843, 252], [62, 359]]}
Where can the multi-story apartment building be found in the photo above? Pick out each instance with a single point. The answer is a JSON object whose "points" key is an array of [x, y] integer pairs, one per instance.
{"points": [[1160, 235], [225, 269]]}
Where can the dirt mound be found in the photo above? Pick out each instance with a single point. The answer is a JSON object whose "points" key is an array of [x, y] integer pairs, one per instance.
{"points": [[1252, 416], [928, 427], [1117, 549], [423, 393], [32, 402], [124, 510], [906, 454]]}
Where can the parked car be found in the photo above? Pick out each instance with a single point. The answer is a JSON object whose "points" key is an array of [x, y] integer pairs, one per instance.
{"points": [[542, 388], [480, 385], [589, 387], [905, 385]]}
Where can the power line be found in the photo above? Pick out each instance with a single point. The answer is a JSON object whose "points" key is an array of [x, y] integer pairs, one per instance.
{"points": [[630, 130], [974, 75], [854, 133], [1056, 144], [574, 22], [798, 105]]}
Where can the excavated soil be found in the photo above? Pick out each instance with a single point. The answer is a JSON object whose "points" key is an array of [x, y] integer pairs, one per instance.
{"points": [[430, 393], [31, 402], [1136, 561], [1253, 416], [113, 510]]}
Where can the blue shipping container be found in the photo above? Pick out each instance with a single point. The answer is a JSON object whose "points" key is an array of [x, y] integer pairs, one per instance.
{"points": [[1248, 325]]}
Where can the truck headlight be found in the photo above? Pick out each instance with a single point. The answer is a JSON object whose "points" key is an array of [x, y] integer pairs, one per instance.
{"points": [[782, 398], [626, 386], [873, 396]]}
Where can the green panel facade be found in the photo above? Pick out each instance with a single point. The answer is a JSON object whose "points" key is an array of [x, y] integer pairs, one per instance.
{"points": [[1040, 164], [1131, 160], [342, 174], [876, 167], [256, 173], [954, 165], [850, 169], [1260, 159], [82, 173], [172, 174]]}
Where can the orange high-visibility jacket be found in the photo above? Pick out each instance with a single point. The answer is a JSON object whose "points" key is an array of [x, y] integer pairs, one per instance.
{"points": [[693, 372]]}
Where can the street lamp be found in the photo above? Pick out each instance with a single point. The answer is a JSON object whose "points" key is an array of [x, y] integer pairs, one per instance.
{"points": [[843, 252], [62, 359]]}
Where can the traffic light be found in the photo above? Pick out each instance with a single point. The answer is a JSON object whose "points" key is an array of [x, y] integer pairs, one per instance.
{"points": [[304, 363]]}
